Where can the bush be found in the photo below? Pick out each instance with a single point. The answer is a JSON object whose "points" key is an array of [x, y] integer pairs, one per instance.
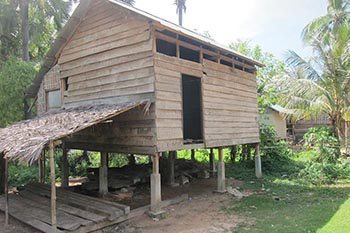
{"points": [[325, 144], [275, 154], [321, 173]]}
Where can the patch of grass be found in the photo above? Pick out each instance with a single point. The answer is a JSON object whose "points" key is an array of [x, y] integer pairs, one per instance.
{"points": [[281, 205]]}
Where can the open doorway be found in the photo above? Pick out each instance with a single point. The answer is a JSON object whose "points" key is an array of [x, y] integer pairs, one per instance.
{"points": [[192, 109]]}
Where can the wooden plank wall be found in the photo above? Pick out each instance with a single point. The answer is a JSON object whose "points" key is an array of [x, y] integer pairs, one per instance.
{"points": [[51, 82], [108, 57], [230, 106], [109, 60], [230, 111], [131, 132]]}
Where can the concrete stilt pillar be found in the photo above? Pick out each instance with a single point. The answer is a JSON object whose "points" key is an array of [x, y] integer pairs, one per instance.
{"points": [[155, 186], [103, 174], [221, 172], [193, 155], [65, 169], [258, 170]]}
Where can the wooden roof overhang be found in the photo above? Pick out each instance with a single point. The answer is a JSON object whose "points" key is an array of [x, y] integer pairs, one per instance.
{"points": [[25, 140]]}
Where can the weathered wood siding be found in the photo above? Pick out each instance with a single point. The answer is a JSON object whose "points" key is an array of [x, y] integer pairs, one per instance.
{"points": [[230, 107], [131, 132], [51, 82], [109, 58], [229, 99]]}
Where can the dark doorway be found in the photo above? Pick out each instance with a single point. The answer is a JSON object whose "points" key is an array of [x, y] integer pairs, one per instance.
{"points": [[192, 109]]}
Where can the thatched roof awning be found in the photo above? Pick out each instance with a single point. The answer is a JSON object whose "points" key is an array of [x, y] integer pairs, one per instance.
{"points": [[25, 140]]}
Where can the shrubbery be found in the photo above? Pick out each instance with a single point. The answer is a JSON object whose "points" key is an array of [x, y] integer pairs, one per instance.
{"points": [[325, 165]]}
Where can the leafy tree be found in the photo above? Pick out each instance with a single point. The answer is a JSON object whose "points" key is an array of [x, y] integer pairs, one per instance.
{"points": [[180, 9], [30, 30], [15, 76], [265, 75]]}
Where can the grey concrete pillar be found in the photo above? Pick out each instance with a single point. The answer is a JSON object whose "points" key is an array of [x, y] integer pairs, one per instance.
{"points": [[65, 169], [155, 185], [221, 172], [103, 174], [258, 169]]}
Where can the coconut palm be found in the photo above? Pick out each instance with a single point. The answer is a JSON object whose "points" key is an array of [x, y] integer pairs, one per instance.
{"points": [[130, 2], [338, 12], [180, 9], [320, 85]]}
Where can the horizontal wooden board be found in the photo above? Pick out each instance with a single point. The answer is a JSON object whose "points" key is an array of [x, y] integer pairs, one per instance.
{"points": [[124, 30], [169, 133], [124, 67], [105, 47], [110, 54]]}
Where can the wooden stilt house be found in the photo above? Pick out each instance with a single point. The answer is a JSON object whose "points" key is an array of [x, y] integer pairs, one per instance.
{"points": [[170, 88]]}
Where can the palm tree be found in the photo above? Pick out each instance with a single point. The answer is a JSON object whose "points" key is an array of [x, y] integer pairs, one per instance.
{"points": [[338, 12], [180, 9], [130, 2], [320, 85]]}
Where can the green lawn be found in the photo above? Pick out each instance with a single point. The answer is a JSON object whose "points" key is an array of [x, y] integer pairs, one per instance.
{"points": [[286, 206]]}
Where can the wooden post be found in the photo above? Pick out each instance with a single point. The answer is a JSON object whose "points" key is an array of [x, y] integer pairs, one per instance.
{"points": [[155, 185], [6, 193], [41, 164], [212, 161], [65, 169], [172, 158], [221, 172], [2, 174], [258, 170], [103, 174], [53, 188], [132, 160], [193, 155]]}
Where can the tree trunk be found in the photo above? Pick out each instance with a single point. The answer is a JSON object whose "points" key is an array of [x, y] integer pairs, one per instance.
{"points": [[180, 16], [24, 5]]}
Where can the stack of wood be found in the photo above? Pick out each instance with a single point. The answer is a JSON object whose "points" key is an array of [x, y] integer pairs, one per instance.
{"points": [[129, 175], [119, 177]]}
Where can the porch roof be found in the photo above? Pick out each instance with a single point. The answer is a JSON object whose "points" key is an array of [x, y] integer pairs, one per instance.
{"points": [[25, 140]]}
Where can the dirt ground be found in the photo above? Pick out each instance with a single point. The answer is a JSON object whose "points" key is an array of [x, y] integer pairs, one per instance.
{"points": [[201, 213]]}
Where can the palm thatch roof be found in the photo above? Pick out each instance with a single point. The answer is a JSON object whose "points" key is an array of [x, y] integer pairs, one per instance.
{"points": [[24, 141]]}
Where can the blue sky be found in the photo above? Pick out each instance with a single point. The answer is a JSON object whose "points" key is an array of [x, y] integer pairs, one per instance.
{"points": [[276, 25]]}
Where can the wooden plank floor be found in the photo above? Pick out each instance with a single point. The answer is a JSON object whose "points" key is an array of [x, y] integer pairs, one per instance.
{"points": [[75, 212]]}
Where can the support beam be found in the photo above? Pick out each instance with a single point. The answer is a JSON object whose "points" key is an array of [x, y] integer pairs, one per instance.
{"points": [[65, 168], [221, 172], [172, 158], [41, 165], [193, 155], [6, 193], [132, 160], [155, 186], [212, 161], [103, 174], [53, 188], [258, 170]]}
